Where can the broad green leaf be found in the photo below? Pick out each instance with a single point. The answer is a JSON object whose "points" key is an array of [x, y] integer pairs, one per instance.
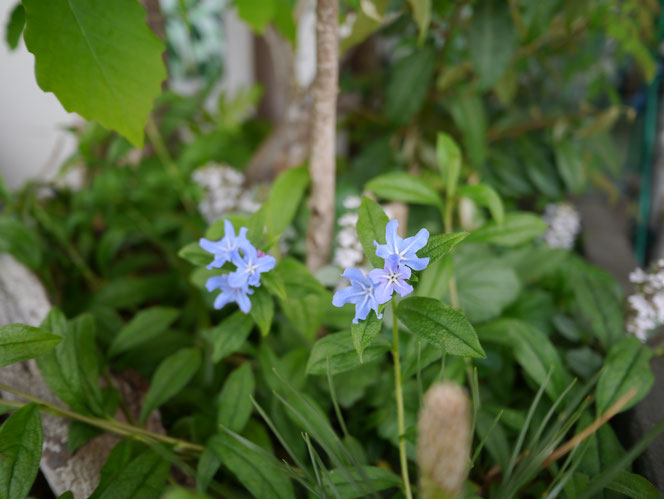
{"points": [[603, 450], [261, 475], [234, 400], [71, 370], [144, 477], [20, 451], [399, 186], [99, 58], [79, 434], [440, 245], [351, 483], [117, 460], [597, 301], [407, 85], [146, 325], [634, 486], [470, 117], [262, 310], [256, 13], [626, 366], [194, 254], [229, 336], [128, 292], [274, 284], [485, 195], [449, 162], [21, 242], [492, 41], [517, 228], [284, 198], [338, 349], [533, 351], [15, 25], [208, 465], [570, 166], [434, 281], [284, 20], [20, 342], [440, 325], [305, 313], [533, 262], [371, 224], [422, 16], [364, 332], [171, 376]]}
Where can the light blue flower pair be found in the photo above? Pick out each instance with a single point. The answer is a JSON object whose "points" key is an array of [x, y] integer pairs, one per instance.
{"points": [[400, 255], [250, 263]]}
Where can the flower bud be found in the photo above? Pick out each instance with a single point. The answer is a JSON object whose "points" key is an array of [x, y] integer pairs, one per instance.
{"points": [[443, 446]]}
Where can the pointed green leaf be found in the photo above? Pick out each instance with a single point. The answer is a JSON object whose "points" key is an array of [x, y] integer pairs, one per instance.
{"points": [[440, 245], [337, 350], [399, 186], [485, 195], [234, 401], [284, 199], [449, 162], [15, 26], [20, 342], [144, 477], [147, 324], [262, 309], [364, 332], [517, 228], [229, 336]]}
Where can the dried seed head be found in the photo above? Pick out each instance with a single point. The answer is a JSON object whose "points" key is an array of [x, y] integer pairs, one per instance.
{"points": [[443, 447]]}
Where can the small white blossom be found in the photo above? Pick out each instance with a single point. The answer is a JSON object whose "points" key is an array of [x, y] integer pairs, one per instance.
{"points": [[564, 225], [352, 202], [646, 305], [224, 192]]}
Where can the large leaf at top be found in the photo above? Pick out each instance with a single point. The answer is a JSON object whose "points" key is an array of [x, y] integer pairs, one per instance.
{"points": [[99, 58]]}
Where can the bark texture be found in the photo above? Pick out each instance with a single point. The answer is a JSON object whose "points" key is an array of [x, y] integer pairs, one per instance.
{"points": [[323, 141]]}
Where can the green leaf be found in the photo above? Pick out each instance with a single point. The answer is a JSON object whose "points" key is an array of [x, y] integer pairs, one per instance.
{"points": [[79, 434], [274, 285], [256, 13], [234, 401], [338, 349], [208, 465], [285, 197], [20, 450], [440, 245], [517, 228], [634, 486], [180, 493], [20, 342], [116, 461], [364, 332], [100, 60], [194, 254], [146, 325], [449, 162], [491, 41], [229, 336], [603, 449], [467, 110], [284, 21], [485, 195], [597, 301], [21, 242], [71, 370], [626, 366], [422, 16], [15, 26], [440, 325], [172, 375], [144, 477], [371, 224], [570, 166], [533, 351], [399, 186], [262, 476], [350, 483], [408, 84], [262, 310]]}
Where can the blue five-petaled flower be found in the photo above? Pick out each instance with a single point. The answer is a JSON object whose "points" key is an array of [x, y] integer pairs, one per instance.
{"points": [[368, 292], [250, 264]]}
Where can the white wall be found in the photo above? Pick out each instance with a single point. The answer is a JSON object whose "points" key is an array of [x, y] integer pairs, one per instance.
{"points": [[32, 142]]}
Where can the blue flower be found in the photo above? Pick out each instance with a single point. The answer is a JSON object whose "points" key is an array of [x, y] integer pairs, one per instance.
{"points": [[361, 293], [250, 266], [404, 249], [390, 279], [224, 249], [229, 293]]}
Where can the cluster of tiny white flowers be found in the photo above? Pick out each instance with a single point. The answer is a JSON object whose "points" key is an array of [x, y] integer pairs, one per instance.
{"points": [[349, 249], [224, 192], [646, 306], [564, 225]]}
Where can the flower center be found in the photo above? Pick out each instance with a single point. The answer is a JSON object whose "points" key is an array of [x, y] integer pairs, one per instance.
{"points": [[251, 268], [392, 278]]}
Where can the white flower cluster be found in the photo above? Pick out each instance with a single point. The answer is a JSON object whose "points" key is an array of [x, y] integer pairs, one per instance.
{"points": [[564, 225], [349, 249], [646, 306], [224, 192]]}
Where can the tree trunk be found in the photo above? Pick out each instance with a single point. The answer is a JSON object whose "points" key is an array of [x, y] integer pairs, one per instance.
{"points": [[322, 156]]}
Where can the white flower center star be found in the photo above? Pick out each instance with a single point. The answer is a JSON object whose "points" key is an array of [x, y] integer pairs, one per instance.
{"points": [[251, 268], [392, 278]]}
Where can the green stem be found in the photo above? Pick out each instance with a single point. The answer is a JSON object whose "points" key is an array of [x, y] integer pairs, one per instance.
{"points": [[111, 425], [400, 412]]}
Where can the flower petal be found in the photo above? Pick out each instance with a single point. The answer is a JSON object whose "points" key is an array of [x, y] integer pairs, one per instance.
{"points": [[214, 282], [391, 237], [382, 251], [378, 275], [362, 309], [244, 303], [415, 243], [222, 300], [237, 279], [343, 296], [356, 275], [416, 263], [383, 293], [403, 288], [229, 231], [266, 263], [209, 246], [404, 272]]}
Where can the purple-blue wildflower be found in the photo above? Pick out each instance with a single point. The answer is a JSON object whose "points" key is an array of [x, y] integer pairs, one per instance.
{"points": [[390, 279], [224, 249], [250, 266], [404, 249], [361, 293], [229, 293]]}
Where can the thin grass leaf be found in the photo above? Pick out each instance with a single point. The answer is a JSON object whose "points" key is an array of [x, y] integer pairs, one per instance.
{"points": [[311, 450], [476, 454], [565, 477], [471, 372], [550, 413], [333, 395]]}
